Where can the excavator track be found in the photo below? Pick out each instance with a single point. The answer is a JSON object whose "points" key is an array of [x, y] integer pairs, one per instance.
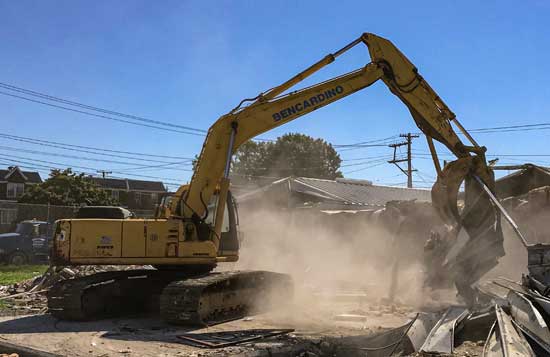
{"points": [[190, 297], [108, 294], [223, 296]]}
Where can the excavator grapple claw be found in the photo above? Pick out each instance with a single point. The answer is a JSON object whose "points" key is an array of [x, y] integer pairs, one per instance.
{"points": [[477, 217]]}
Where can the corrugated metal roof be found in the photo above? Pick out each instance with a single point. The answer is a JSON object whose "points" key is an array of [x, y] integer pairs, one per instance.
{"points": [[359, 193], [131, 185], [348, 192], [522, 181]]}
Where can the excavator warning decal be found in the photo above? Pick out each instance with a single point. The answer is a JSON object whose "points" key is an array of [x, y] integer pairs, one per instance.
{"points": [[105, 247], [311, 102]]}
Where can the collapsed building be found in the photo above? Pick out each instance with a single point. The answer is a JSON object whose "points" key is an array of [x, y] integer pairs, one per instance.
{"points": [[525, 193], [331, 205]]}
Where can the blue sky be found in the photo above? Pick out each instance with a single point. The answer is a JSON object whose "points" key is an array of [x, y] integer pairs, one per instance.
{"points": [[188, 62]]}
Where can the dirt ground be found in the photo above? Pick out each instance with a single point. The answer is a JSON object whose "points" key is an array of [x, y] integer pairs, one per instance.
{"points": [[318, 332], [148, 336]]}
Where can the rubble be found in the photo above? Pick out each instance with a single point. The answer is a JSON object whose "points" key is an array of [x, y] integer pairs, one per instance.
{"points": [[441, 338], [230, 338], [350, 317]]}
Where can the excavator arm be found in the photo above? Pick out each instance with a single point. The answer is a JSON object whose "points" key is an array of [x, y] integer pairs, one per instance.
{"points": [[269, 110], [272, 109]]}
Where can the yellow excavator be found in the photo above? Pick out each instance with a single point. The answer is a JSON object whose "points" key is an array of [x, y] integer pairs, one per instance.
{"points": [[198, 228]]}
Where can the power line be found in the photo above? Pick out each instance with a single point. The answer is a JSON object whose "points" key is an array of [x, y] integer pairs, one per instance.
{"points": [[520, 127], [364, 158], [363, 143], [47, 169], [73, 147], [424, 174], [97, 109], [100, 115], [28, 161], [164, 163], [58, 165], [167, 166], [8, 148], [362, 147], [379, 159], [138, 120], [421, 176], [364, 168], [488, 155]]}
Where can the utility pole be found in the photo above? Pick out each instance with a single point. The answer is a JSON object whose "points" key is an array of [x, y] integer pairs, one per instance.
{"points": [[104, 173], [408, 141]]}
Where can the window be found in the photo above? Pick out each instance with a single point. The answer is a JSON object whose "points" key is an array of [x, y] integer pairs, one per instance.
{"points": [[137, 196], [7, 216], [15, 189], [212, 212], [114, 194], [154, 197]]}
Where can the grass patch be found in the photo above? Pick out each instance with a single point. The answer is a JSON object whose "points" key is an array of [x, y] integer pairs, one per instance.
{"points": [[10, 274]]}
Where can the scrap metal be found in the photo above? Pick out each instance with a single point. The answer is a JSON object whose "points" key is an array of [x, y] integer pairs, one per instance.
{"points": [[529, 320], [441, 337], [229, 338], [504, 340]]}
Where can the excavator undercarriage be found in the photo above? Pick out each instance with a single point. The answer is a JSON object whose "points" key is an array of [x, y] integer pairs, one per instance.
{"points": [[187, 298]]}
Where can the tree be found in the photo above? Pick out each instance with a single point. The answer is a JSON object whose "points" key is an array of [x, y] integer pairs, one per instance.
{"points": [[67, 188], [292, 154]]}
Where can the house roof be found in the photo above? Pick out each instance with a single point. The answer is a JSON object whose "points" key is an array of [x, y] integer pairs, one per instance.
{"points": [[138, 185], [520, 182], [359, 192], [343, 191], [110, 183], [129, 185], [29, 176]]}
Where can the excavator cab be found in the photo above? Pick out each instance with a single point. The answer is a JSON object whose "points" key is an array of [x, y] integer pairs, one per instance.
{"points": [[229, 237]]}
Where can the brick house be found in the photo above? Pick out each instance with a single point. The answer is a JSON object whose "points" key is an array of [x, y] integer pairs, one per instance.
{"points": [[133, 194], [13, 182]]}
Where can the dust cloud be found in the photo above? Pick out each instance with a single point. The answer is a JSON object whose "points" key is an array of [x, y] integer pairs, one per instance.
{"points": [[327, 254]]}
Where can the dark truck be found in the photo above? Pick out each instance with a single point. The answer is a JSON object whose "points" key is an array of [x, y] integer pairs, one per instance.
{"points": [[29, 243]]}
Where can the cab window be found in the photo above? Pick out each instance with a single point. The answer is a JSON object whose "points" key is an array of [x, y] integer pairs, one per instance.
{"points": [[212, 212]]}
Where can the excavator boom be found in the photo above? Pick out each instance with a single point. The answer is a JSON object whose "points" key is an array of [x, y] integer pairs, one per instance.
{"points": [[269, 110]]}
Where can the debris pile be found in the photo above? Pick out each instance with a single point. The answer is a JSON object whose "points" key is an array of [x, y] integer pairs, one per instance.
{"points": [[522, 311], [29, 296]]}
